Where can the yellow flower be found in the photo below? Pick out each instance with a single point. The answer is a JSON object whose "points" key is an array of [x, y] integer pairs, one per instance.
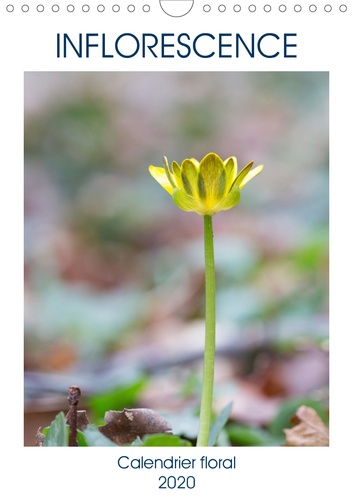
{"points": [[205, 187]]}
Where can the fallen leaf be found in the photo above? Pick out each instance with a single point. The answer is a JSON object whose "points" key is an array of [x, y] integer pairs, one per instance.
{"points": [[123, 427], [308, 430], [250, 405], [82, 419], [298, 374]]}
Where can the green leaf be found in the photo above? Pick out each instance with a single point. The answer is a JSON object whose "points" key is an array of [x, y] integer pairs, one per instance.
{"points": [[242, 435], [81, 439], [184, 423], [58, 432], [95, 438], [117, 398], [289, 408], [219, 424], [137, 442], [162, 440]]}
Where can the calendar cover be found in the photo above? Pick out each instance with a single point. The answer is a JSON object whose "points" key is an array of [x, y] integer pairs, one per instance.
{"points": [[176, 247]]}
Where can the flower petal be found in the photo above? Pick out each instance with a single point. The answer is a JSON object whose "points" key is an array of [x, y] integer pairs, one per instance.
{"points": [[229, 201], [231, 169], [168, 172], [160, 175], [176, 171], [189, 176], [211, 179], [187, 202], [250, 175], [195, 162]]}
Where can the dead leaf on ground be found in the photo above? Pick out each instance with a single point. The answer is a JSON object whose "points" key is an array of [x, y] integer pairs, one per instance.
{"points": [[123, 427], [82, 419], [308, 430], [303, 371]]}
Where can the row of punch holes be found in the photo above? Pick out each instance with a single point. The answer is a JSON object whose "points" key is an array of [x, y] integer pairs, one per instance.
{"points": [[206, 8]]}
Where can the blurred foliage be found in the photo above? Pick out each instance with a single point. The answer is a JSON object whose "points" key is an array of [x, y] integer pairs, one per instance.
{"points": [[219, 424], [245, 435], [118, 397], [162, 440], [58, 432], [287, 410], [114, 271], [57, 435]]}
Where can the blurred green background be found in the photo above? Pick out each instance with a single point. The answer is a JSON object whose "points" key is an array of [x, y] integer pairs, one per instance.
{"points": [[114, 270]]}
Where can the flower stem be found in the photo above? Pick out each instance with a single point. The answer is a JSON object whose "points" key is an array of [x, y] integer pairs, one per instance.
{"points": [[210, 336]]}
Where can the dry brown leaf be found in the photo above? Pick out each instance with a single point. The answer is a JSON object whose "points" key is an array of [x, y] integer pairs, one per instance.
{"points": [[82, 419], [308, 430], [300, 373], [123, 427]]}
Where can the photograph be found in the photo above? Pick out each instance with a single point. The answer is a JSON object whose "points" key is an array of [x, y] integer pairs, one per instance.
{"points": [[176, 258]]}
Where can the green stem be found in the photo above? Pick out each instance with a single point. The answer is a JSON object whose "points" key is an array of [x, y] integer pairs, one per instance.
{"points": [[210, 336]]}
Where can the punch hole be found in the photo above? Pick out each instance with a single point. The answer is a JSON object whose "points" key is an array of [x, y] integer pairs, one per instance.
{"points": [[40, 8], [100, 8], [282, 8], [237, 8], [206, 8], [343, 8], [297, 8], [85, 8], [146, 8], [252, 8], [131, 8], [70, 8], [327, 8], [115, 8], [10, 8], [222, 8], [267, 8], [312, 8], [25, 8], [55, 8]]}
